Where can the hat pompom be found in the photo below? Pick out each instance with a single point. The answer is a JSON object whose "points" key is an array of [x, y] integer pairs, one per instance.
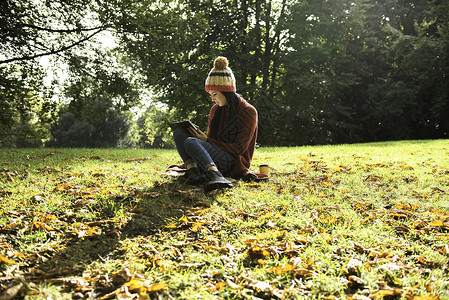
{"points": [[221, 63]]}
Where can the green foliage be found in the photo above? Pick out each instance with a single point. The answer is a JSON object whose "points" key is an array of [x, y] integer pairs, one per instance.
{"points": [[317, 71], [99, 97], [103, 77], [26, 110], [153, 129], [106, 131], [177, 58], [29, 30], [32, 29], [361, 71]]}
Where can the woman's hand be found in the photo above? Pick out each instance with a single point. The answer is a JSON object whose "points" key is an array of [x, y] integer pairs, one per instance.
{"points": [[198, 134]]}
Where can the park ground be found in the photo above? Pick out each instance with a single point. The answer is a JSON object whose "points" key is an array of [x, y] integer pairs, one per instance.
{"points": [[360, 221]]}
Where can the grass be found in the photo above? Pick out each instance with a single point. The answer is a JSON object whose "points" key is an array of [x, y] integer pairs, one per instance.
{"points": [[362, 221]]}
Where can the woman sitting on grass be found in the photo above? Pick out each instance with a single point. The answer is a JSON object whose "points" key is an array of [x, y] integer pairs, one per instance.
{"points": [[227, 148]]}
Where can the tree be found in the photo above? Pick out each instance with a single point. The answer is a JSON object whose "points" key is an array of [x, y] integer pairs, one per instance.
{"points": [[25, 111], [103, 132], [100, 89], [175, 44], [153, 128], [317, 71], [323, 72], [30, 30], [360, 71]]}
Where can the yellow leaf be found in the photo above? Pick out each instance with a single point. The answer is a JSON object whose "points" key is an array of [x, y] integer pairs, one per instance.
{"points": [[20, 255], [424, 261], [303, 273], [200, 203], [220, 285], [301, 240], [48, 218], [172, 225], [250, 241], [10, 226], [155, 287], [310, 262], [384, 293], [4, 259], [256, 252], [368, 219], [39, 225], [443, 249], [423, 297], [418, 224], [196, 227], [267, 215], [134, 284], [162, 264], [438, 223], [281, 270], [276, 270], [62, 187]]}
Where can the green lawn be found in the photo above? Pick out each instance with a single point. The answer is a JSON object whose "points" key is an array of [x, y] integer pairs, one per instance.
{"points": [[362, 221]]}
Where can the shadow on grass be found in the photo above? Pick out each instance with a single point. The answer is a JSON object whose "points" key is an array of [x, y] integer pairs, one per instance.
{"points": [[144, 212]]}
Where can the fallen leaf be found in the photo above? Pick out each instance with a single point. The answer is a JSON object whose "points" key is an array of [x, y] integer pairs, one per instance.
{"points": [[385, 293], [303, 273], [11, 292], [232, 285], [219, 285], [302, 240], [442, 249], [353, 266], [155, 287], [257, 252], [271, 224], [355, 281], [390, 267], [409, 297], [122, 276], [6, 260], [424, 261]]}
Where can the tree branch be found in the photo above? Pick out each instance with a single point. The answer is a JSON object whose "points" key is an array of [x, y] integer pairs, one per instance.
{"points": [[29, 57], [58, 30]]}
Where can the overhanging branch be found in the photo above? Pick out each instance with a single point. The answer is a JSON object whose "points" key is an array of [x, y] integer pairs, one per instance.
{"points": [[59, 30], [29, 57]]}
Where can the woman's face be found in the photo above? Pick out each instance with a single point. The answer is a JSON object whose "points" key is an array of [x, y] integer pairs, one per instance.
{"points": [[218, 98]]}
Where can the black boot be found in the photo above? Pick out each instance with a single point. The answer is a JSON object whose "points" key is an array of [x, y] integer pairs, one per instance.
{"points": [[216, 181], [194, 176]]}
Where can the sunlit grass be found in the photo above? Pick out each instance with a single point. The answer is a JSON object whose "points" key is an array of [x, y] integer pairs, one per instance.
{"points": [[327, 216]]}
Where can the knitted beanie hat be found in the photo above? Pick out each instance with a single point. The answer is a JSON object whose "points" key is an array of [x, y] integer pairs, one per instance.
{"points": [[220, 77]]}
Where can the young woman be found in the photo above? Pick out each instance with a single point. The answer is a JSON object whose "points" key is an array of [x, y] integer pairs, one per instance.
{"points": [[227, 148]]}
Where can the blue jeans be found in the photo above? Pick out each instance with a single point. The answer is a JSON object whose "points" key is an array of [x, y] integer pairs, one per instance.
{"points": [[204, 154]]}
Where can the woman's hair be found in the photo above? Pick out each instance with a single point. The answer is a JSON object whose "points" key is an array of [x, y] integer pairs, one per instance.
{"points": [[232, 99]]}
